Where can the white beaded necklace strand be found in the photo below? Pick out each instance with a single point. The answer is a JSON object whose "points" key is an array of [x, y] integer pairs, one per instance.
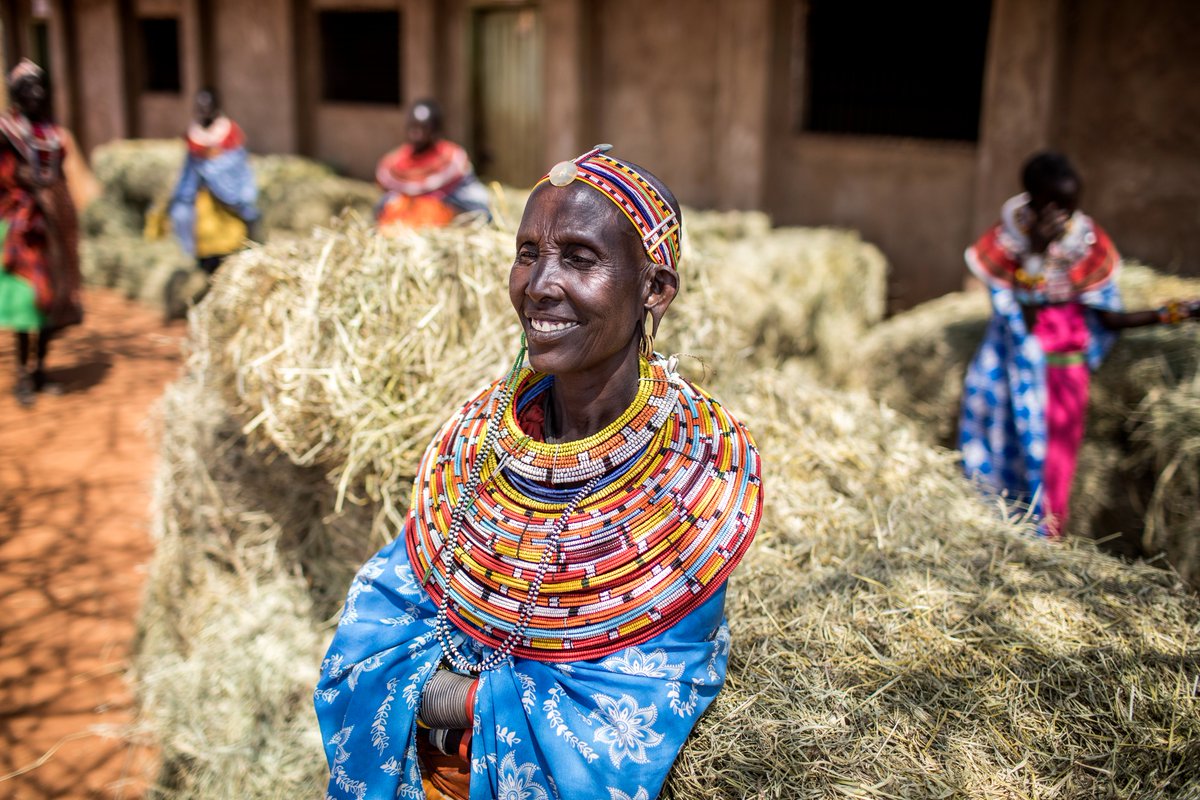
{"points": [[501, 653]]}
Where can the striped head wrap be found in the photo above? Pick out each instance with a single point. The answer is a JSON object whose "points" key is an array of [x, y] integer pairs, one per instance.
{"points": [[24, 70], [637, 198]]}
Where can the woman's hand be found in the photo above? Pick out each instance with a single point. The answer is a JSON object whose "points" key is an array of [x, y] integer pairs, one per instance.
{"points": [[1050, 224], [1176, 311]]}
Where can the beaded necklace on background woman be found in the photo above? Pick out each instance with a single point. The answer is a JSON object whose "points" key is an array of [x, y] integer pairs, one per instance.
{"points": [[550, 624]]}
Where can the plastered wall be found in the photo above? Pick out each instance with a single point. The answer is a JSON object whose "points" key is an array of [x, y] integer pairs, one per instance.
{"points": [[655, 89], [100, 80], [911, 197], [703, 93], [1128, 112], [254, 65]]}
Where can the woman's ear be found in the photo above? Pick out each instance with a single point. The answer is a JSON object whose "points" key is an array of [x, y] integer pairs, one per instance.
{"points": [[662, 285]]}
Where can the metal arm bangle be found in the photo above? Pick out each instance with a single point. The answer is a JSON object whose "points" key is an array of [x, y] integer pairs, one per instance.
{"points": [[444, 700]]}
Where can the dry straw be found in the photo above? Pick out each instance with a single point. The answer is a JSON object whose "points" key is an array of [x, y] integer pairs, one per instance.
{"points": [[893, 635], [229, 638], [894, 638], [1139, 471], [347, 349]]}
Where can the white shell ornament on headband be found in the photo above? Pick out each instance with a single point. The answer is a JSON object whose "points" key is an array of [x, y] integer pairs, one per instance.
{"points": [[563, 173], [566, 171]]}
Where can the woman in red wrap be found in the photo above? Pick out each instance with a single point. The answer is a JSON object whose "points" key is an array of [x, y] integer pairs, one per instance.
{"points": [[39, 281]]}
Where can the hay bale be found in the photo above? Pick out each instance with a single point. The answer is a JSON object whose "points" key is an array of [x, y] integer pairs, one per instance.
{"points": [[801, 292], [1139, 474], [805, 292], [247, 568], [345, 349], [702, 227], [295, 195], [106, 216], [137, 172], [893, 637], [915, 361], [131, 264], [291, 208]]}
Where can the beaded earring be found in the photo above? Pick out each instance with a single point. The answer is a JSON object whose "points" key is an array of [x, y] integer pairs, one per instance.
{"points": [[518, 362]]}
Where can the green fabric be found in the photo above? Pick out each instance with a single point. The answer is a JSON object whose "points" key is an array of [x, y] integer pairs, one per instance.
{"points": [[18, 303], [1066, 359]]}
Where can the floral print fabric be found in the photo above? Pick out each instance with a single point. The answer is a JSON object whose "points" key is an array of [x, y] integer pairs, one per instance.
{"points": [[608, 728]]}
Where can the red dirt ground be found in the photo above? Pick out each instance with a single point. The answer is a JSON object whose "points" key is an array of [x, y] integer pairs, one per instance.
{"points": [[75, 475]]}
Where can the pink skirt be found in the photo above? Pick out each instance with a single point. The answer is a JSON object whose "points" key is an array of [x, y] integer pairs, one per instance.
{"points": [[1063, 333]]}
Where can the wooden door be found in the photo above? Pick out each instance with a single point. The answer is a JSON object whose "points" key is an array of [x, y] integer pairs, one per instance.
{"points": [[507, 94]]}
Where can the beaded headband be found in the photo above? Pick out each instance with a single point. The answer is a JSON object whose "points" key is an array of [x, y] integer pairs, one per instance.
{"points": [[649, 212], [25, 69]]}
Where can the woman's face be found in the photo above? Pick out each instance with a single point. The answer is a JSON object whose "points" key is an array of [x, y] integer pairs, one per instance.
{"points": [[31, 98], [205, 109], [578, 283]]}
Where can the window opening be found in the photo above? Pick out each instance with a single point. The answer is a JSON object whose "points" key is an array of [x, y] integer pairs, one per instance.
{"points": [[894, 69], [360, 56]]}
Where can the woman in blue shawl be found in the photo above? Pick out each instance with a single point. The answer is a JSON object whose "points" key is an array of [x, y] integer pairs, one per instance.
{"points": [[215, 200], [550, 624]]}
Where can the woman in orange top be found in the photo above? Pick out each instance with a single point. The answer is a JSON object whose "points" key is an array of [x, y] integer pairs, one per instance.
{"points": [[428, 180]]}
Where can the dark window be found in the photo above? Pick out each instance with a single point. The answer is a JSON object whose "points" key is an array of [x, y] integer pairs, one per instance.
{"points": [[41, 48], [894, 69], [160, 54], [360, 56]]}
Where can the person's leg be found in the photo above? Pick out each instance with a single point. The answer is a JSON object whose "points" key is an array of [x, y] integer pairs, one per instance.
{"points": [[23, 388], [22, 350], [40, 381]]}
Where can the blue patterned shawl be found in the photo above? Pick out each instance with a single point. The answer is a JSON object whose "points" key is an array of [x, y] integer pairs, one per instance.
{"points": [[607, 729], [227, 176]]}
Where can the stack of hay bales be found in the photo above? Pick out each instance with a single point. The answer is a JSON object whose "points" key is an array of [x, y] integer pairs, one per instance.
{"points": [[893, 636], [232, 618], [344, 350], [138, 176], [135, 176], [1139, 471]]}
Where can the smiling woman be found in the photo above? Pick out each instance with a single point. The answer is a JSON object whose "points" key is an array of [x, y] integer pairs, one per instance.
{"points": [[551, 623]]}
